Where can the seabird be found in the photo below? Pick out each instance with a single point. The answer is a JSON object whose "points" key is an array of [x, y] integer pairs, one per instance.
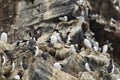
{"points": [[57, 65], [3, 37], [35, 51], [18, 76], [64, 18], [24, 64], [105, 47], [56, 37], [9, 54], [38, 32], [3, 59], [67, 38], [87, 43], [44, 55], [13, 66], [111, 67], [81, 18], [73, 47], [32, 41], [79, 2], [87, 65], [19, 42]]}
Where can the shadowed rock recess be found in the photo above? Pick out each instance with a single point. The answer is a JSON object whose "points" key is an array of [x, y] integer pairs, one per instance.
{"points": [[60, 40]]}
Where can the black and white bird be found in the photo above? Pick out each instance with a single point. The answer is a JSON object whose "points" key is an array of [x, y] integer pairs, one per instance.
{"points": [[87, 43], [21, 42], [23, 63], [18, 76], [35, 51], [9, 54], [64, 18], [79, 2], [55, 37], [88, 67], [32, 42], [3, 59], [58, 66], [105, 47], [4, 37], [67, 38], [111, 67], [13, 66], [44, 55]]}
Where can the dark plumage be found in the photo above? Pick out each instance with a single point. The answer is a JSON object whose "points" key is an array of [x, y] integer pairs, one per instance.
{"points": [[24, 63], [87, 61], [110, 67], [32, 42], [9, 54], [44, 56]]}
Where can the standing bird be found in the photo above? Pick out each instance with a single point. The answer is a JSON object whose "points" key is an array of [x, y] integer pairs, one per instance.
{"points": [[32, 41], [64, 18], [3, 37], [88, 67], [67, 38], [55, 37], [3, 59], [35, 51], [9, 54], [44, 55], [105, 47], [111, 67], [58, 66], [80, 2], [87, 43], [24, 64]]}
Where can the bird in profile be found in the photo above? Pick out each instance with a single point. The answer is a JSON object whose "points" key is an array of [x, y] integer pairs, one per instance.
{"points": [[79, 2], [88, 67], [24, 64], [67, 38], [64, 18], [35, 51], [105, 47], [3, 59], [9, 54], [111, 67], [58, 66], [87, 43], [3, 37]]}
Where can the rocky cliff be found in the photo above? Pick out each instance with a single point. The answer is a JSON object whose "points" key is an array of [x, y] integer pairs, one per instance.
{"points": [[95, 20]]}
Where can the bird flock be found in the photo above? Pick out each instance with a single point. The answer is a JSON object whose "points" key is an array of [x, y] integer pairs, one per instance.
{"points": [[7, 57]]}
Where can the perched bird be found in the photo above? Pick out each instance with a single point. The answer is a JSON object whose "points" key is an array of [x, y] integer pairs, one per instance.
{"points": [[18, 76], [105, 47], [64, 18], [35, 51], [111, 67], [44, 55], [79, 2], [13, 66], [24, 64], [9, 54], [87, 43], [88, 67], [3, 59], [32, 41], [55, 37], [57, 65], [19, 42], [3, 37], [67, 38], [81, 18]]}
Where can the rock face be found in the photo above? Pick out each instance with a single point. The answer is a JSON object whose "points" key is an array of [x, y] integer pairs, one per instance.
{"points": [[95, 20]]}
